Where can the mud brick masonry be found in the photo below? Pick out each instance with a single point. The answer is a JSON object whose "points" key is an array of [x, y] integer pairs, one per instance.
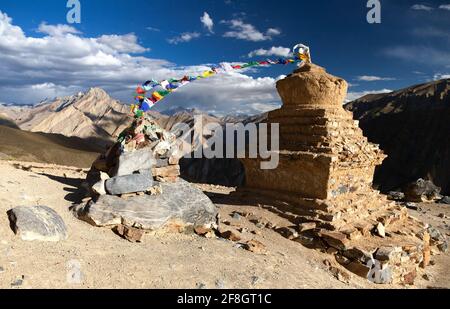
{"points": [[326, 171]]}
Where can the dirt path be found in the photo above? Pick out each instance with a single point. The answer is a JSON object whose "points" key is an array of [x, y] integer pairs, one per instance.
{"points": [[161, 261]]}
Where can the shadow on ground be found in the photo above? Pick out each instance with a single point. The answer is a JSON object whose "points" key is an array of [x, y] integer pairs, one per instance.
{"points": [[74, 186]]}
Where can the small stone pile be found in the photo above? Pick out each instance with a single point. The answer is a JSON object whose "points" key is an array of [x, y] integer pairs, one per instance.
{"points": [[136, 185], [326, 171]]}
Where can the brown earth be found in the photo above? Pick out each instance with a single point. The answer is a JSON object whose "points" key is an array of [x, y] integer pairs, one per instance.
{"points": [[46, 148], [165, 260]]}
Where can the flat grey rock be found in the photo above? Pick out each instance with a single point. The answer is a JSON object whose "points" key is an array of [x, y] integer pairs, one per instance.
{"points": [[180, 201], [130, 162], [129, 184], [37, 223]]}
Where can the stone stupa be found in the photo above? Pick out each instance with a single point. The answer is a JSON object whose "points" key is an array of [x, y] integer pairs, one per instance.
{"points": [[325, 173]]}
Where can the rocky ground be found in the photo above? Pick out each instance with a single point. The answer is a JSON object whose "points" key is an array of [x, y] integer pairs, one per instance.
{"points": [[171, 260]]}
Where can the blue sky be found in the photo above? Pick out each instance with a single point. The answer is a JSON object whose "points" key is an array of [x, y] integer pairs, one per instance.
{"points": [[119, 44]]}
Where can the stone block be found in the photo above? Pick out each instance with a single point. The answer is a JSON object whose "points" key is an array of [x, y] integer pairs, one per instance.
{"points": [[128, 184], [131, 162]]}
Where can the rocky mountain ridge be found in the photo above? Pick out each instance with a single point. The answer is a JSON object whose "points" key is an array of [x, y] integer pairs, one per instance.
{"points": [[412, 126], [90, 115]]}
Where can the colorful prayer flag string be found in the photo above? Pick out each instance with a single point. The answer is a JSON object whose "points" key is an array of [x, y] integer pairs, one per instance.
{"points": [[152, 91]]}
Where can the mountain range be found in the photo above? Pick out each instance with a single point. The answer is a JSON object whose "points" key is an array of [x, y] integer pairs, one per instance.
{"points": [[411, 125], [92, 115]]}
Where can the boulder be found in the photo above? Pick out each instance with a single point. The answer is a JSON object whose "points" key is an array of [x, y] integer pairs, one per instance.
{"points": [[422, 191], [180, 201], [129, 184], [445, 200], [37, 223]]}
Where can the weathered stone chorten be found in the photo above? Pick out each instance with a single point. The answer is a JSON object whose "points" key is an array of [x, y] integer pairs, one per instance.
{"points": [[326, 164], [326, 170]]}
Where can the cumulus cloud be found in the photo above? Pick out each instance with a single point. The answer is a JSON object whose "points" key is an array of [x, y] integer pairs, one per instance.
{"points": [[127, 43], [57, 30], [273, 51], [184, 37], [421, 7], [248, 32], [445, 7], [370, 78], [63, 63], [241, 94], [207, 22], [351, 96]]}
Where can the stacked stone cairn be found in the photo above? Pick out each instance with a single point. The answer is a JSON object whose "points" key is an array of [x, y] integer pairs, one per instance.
{"points": [[144, 153], [135, 184], [325, 173]]}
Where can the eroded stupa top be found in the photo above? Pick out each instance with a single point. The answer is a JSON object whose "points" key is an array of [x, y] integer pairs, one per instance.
{"points": [[312, 85]]}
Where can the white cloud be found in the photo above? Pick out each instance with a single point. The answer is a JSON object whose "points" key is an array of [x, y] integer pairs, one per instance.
{"points": [[248, 32], [35, 68], [439, 76], [153, 29], [239, 93], [445, 7], [351, 96], [273, 32], [184, 37], [57, 30], [370, 78], [207, 22], [273, 51], [421, 7], [127, 43]]}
